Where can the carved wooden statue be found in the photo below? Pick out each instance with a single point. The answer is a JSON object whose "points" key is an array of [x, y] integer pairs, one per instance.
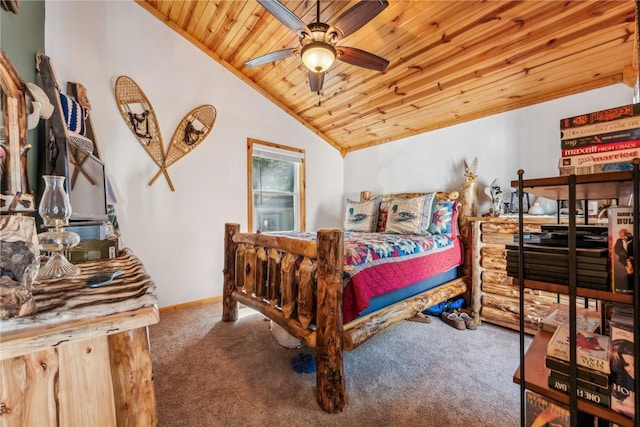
{"points": [[469, 189]]}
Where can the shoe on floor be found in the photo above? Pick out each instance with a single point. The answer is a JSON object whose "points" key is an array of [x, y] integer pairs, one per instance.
{"points": [[453, 319], [420, 317], [469, 323]]}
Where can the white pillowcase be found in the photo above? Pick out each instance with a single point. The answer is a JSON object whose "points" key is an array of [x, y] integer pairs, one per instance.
{"points": [[410, 215], [362, 216]]}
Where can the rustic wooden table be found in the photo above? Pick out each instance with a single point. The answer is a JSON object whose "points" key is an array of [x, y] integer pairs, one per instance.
{"points": [[84, 358]]}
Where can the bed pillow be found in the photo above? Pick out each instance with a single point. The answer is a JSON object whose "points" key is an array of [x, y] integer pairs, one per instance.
{"points": [[362, 216], [444, 218], [409, 215]]}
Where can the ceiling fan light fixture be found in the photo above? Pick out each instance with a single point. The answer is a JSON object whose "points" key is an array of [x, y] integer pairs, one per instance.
{"points": [[318, 56]]}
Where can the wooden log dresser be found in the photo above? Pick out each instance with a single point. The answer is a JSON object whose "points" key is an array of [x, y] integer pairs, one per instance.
{"points": [[83, 359], [495, 297]]}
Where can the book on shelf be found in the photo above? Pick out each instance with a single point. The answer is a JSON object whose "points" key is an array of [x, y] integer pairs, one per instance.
{"points": [[560, 316], [582, 383], [621, 248], [585, 393], [603, 138], [601, 116], [601, 148], [607, 312], [622, 360], [600, 128], [592, 350], [623, 155], [541, 411], [597, 168], [589, 375]]}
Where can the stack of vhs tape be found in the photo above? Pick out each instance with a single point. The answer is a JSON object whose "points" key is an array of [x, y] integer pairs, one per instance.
{"points": [[593, 365], [601, 141]]}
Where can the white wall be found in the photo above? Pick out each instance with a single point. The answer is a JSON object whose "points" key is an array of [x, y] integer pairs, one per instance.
{"points": [[527, 139], [178, 235]]}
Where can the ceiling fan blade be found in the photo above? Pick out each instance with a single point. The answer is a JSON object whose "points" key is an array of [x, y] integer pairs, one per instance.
{"points": [[284, 15], [271, 57], [361, 58], [353, 19], [316, 80]]}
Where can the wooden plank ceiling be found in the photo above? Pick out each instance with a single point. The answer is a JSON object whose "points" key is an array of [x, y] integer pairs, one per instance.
{"points": [[450, 61]]}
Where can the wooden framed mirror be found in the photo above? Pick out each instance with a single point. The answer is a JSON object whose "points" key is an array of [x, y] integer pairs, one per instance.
{"points": [[15, 193]]}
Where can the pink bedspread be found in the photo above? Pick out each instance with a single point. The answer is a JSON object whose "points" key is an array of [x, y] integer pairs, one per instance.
{"points": [[377, 263], [381, 278]]}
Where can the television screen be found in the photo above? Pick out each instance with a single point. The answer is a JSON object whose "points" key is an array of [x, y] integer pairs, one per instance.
{"points": [[86, 186]]}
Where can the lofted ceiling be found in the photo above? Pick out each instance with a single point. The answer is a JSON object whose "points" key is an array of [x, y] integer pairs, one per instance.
{"points": [[449, 61]]}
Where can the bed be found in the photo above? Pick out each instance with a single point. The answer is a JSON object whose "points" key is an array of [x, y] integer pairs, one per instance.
{"points": [[335, 288]]}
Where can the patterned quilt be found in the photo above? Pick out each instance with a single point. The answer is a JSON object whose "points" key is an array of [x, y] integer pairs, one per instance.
{"points": [[377, 263]]}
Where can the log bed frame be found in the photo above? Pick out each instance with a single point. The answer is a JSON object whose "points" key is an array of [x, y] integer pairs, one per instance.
{"points": [[260, 272]]}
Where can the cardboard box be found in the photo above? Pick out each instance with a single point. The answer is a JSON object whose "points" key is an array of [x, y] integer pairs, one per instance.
{"points": [[90, 250], [92, 230]]}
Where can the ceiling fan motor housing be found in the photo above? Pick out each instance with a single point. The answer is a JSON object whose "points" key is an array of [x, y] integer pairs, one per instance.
{"points": [[320, 32]]}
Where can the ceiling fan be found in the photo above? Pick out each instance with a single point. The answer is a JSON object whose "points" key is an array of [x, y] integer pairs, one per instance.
{"points": [[318, 40]]}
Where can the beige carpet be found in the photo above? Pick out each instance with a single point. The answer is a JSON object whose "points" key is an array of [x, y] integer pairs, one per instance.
{"points": [[212, 373]]}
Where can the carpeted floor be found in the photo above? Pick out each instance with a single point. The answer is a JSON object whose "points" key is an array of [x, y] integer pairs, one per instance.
{"points": [[212, 373]]}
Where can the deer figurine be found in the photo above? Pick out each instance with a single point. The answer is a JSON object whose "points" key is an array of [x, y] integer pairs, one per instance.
{"points": [[469, 188]]}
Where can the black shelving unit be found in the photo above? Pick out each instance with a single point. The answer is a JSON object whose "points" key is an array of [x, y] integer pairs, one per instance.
{"points": [[612, 185]]}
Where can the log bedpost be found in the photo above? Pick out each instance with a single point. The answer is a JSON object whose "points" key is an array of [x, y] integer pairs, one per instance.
{"points": [[229, 304], [468, 209], [330, 383]]}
